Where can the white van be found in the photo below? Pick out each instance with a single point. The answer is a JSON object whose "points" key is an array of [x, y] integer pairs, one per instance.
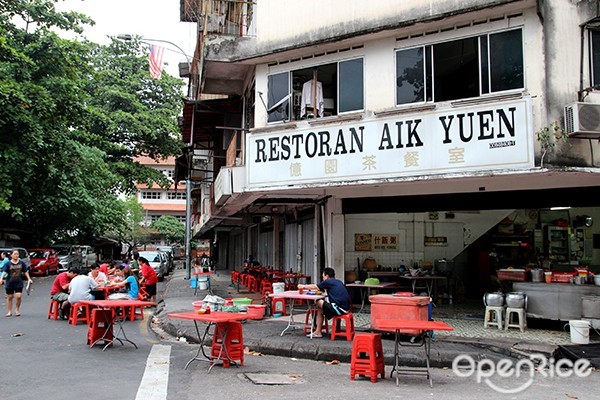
{"points": [[88, 256]]}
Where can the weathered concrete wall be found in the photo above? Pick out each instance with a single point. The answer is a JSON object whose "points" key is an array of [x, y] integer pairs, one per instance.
{"points": [[282, 23], [562, 61]]}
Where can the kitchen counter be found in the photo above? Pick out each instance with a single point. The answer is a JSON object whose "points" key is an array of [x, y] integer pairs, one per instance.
{"points": [[557, 301]]}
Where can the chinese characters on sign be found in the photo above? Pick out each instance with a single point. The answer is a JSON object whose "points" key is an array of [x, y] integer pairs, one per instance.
{"points": [[375, 242]]}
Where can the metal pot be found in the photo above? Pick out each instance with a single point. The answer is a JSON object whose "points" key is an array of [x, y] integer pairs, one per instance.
{"points": [[516, 300], [493, 299], [537, 275]]}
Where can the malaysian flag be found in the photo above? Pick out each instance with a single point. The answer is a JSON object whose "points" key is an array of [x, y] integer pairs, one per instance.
{"points": [[155, 58]]}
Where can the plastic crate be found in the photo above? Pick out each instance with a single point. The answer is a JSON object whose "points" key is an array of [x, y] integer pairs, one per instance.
{"points": [[512, 275], [562, 277]]}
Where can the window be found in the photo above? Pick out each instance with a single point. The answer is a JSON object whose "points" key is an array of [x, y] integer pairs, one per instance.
{"points": [[151, 195], [319, 91], [176, 195], [595, 58], [462, 68]]}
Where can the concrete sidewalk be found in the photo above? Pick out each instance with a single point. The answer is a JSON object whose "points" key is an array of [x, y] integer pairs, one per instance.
{"points": [[263, 336]]}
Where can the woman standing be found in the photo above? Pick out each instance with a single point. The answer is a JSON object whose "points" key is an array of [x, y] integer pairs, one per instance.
{"points": [[149, 278], [15, 269]]}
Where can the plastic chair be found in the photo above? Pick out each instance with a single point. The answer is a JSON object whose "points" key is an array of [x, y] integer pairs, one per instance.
{"points": [[98, 327], [367, 356], [310, 321], [234, 344], [336, 326], [493, 316], [75, 316], [53, 309], [521, 317]]}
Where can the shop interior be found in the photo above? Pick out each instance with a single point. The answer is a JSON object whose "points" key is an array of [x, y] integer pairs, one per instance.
{"points": [[472, 246]]}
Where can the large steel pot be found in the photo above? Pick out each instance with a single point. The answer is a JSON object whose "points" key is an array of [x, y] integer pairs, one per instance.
{"points": [[495, 299], [516, 300], [537, 275]]}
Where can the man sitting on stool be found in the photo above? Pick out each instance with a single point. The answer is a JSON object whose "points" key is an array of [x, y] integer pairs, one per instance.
{"points": [[336, 303]]}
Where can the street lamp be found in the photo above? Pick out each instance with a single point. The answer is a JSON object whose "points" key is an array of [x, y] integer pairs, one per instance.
{"points": [[129, 37], [188, 183]]}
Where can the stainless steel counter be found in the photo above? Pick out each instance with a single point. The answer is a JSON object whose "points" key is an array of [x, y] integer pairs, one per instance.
{"points": [[558, 301]]}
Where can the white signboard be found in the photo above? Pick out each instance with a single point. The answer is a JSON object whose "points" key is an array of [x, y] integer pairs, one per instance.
{"points": [[483, 137]]}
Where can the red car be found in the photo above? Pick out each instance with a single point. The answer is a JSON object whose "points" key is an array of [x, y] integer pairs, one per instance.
{"points": [[43, 262]]}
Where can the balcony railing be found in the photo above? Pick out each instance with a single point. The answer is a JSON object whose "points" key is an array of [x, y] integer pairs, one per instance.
{"points": [[224, 17]]}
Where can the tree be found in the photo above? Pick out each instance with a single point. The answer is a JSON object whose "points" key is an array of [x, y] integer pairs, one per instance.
{"points": [[73, 116], [171, 228], [131, 230]]}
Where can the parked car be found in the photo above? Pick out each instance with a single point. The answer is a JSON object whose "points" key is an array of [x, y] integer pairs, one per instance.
{"points": [[156, 262], [88, 256], [169, 251], [23, 254], [165, 257], [68, 256], [43, 261]]}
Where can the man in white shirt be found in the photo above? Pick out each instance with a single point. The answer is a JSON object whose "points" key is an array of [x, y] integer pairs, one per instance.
{"points": [[80, 287], [97, 275]]}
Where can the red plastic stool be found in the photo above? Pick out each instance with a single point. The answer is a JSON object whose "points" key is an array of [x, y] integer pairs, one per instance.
{"points": [[53, 309], [336, 326], [74, 316], [311, 316], [367, 356], [99, 328], [278, 305], [234, 343]]}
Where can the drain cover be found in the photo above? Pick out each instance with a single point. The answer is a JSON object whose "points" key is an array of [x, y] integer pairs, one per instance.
{"points": [[272, 379]]}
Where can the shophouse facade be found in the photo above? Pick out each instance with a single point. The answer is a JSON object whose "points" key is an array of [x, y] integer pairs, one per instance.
{"points": [[400, 130], [157, 201]]}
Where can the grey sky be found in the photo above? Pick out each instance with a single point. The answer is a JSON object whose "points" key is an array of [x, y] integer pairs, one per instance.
{"points": [[154, 19]]}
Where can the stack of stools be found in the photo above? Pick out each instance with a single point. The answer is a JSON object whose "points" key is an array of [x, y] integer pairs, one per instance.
{"points": [[310, 321], [367, 356], [278, 306], [75, 316], [99, 328], [53, 309], [336, 326], [234, 344]]}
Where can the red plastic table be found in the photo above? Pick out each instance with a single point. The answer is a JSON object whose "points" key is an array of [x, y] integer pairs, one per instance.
{"points": [[220, 318], [426, 328], [114, 319], [293, 295]]}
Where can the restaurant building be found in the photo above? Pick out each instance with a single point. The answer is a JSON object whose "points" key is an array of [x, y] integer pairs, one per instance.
{"points": [[408, 131]]}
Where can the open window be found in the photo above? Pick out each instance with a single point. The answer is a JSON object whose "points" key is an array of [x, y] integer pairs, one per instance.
{"points": [[462, 68], [316, 92]]}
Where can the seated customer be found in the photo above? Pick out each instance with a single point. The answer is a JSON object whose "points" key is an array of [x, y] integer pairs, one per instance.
{"points": [[97, 275], [60, 291], [129, 284], [80, 287], [337, 301]]}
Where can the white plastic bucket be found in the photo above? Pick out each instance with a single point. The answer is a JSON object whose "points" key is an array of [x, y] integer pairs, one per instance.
{"points": [[580, 331], [278, 287]]}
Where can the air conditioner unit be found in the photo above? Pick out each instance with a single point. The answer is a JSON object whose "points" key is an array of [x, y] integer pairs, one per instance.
{"points": [[582, 120]]}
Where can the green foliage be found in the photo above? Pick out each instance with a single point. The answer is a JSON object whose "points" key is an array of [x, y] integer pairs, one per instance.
{"points": [[549, 136], [73, 117], [169, 226]]}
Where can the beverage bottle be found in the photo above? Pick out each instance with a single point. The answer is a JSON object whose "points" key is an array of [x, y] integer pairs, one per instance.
{"points": [[207, 310]]}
